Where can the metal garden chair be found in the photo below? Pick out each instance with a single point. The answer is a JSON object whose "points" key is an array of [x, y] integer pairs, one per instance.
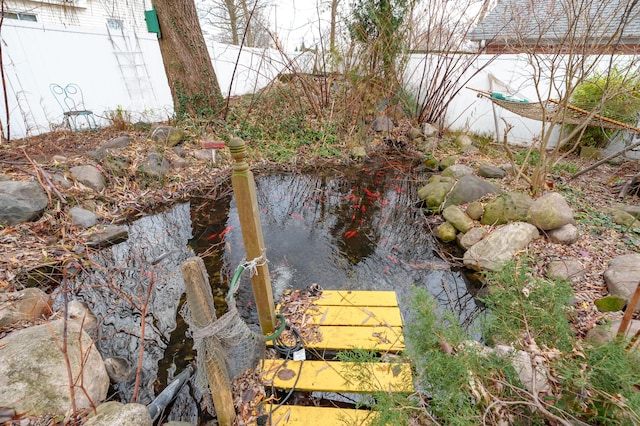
{"points": [[71, 101]]}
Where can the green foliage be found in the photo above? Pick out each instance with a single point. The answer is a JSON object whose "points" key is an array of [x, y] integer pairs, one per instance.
{"points": [[600, 384], [614, 94], [568, 168], [530, 157], [523, 306]]}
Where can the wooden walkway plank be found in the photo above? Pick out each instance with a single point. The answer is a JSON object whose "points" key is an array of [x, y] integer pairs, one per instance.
{"points": [[356, 316], [299, 415], [333, 376], [378, 338], [357, 298]]}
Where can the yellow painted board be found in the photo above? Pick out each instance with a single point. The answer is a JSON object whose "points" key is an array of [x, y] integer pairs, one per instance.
{"points": [[334, 376], [356, 315], [379, 338], [357, 298], [293, 415]]}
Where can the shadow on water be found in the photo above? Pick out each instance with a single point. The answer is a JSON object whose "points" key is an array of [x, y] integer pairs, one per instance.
{"points": [[353, 229]]}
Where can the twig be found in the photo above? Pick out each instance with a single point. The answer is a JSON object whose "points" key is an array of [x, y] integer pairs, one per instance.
{"points": [[42, 174]]}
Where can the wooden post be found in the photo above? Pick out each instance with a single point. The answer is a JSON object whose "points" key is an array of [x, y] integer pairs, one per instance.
{"points": [[203, 313], [244, 188]]}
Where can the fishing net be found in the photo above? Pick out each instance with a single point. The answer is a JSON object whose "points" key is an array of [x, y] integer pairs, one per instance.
{"points": [[225, 346]]}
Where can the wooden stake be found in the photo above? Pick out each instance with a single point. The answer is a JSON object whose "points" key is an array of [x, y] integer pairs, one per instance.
{"points": [[628, 313], [203, 312], [244, 188]]}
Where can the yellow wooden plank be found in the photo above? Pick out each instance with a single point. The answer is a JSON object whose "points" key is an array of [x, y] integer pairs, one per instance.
{"points": [[379, 338], [356, 315], [357, 298], [293, 415], [334, 376]]}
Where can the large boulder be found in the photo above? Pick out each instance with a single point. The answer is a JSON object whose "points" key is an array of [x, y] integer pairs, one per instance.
{"points": [[511, 207], [622, 275], [21, 201], [469, 188], [500, 246], [90, 176], [30, 304], [435, 191], [382, 124], [33, 370], [550, 211]]}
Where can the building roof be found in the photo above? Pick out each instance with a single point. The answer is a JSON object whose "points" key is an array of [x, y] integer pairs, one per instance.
{"points": [[526, 22]]}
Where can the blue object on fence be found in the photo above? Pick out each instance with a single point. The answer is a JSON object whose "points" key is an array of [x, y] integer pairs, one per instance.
{"points": [[71, 101]]}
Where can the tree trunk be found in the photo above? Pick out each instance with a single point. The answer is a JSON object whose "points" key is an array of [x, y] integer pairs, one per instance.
{"points": [[193, 82], [332, 34], [233, 21]]}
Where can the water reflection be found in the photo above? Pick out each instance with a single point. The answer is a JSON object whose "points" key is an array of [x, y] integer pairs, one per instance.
{"points": [[141, 275], [357, 229]]}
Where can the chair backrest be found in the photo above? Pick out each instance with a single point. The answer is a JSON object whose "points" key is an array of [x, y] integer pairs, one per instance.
{"points": [[69, 97]]}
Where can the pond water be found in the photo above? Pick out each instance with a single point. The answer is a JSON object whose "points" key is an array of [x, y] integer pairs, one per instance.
{"points": [[351, 229]]}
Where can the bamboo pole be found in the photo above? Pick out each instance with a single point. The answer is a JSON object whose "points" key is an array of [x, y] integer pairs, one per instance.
{"points": [[244, 189], [203, 312]]}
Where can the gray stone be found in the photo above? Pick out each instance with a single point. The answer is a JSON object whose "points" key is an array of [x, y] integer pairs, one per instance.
{"points": [[358, 152], [446, 232], [469, 149], [455, 216], [414, 134], [21, 202], [90, 176], [114, 413], [469, 188], [632, 210], [472, 237], [550, 211], [508, 168], [448, 161], [29, 305], [435, 191], [180, 163], [155, 165], [607, 332], [180, 151], [4, 178], [622, 275], [567, 269], [382, 124], [464, 140], [475, 210], [108, 235], [117, 143], [510, 207], [80, 313], [61, 180], [487, 171], [429, 130], [33, 370], [204, 154], [567, 234], [116, 164], [83, 218], [168, 135], [625, 219], [524, 366], [456, 171], [499, 246]]}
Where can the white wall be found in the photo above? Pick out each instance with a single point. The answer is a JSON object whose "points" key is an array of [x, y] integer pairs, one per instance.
{"points": [[256, 67], [36, 55]]}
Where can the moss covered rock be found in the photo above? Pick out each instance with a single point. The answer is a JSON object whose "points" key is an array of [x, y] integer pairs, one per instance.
{"points": [[505, 208], [446, 232]]}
